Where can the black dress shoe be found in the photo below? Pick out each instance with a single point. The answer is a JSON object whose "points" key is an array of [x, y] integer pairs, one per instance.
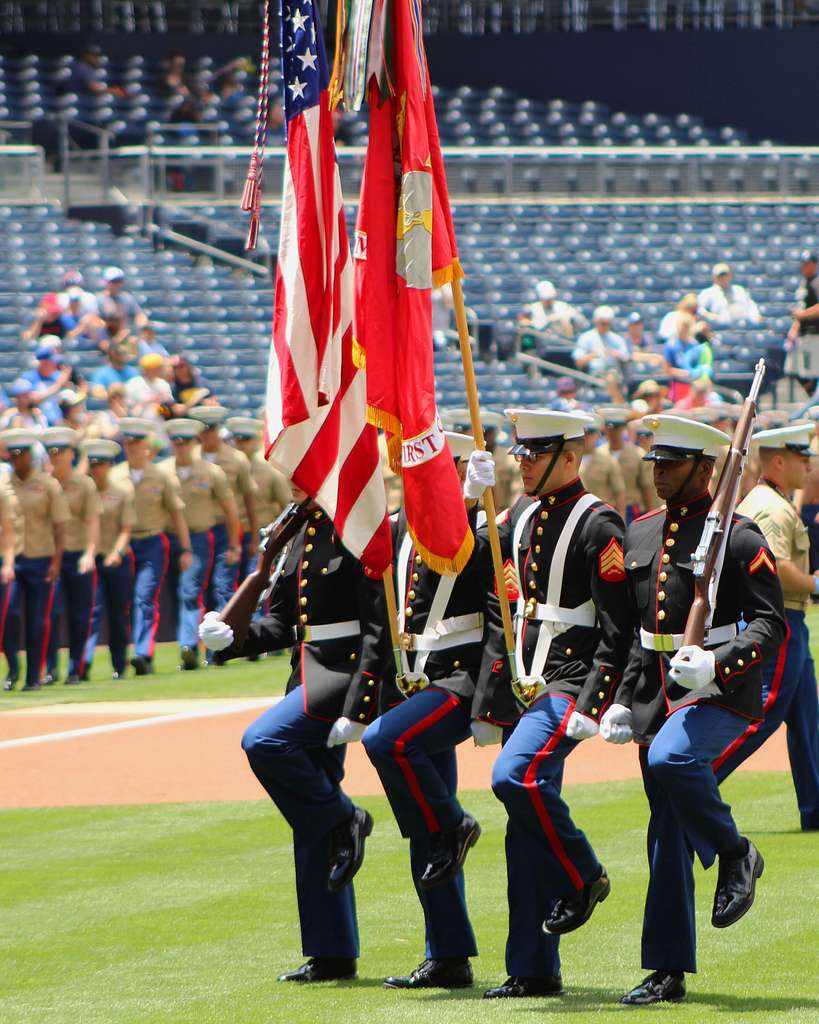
{"points": [[190, 659], [322, 969], [10, 682], [141, 666], [72, 680], [32, 686], [573, 911], [49, 679], [347, 850], [450, 973], [448, 852], [85, 675], [659, 987], [736, 887], [527, 988]]}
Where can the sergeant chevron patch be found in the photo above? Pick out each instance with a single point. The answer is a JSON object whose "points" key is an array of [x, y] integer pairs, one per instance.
{"points": [[762, 560], [611, 566], [510, 578]]}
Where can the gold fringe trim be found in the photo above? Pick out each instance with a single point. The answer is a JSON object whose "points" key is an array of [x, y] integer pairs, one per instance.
{"points": [[359, 355], [446, 275], [336, 89], [446, 566]]}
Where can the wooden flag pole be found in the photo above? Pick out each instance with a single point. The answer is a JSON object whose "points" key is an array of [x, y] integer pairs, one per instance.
{"points": [[392, 615], [488, 496]]}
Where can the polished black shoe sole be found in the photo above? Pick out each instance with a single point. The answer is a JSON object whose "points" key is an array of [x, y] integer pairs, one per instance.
{"points": [[575, 923], [365, 832], [457, 865], [141, 666], [652, 1002], [724, 922]]}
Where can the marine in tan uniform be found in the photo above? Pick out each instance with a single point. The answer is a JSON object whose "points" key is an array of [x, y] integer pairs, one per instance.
{"points": [[272, 486], [11, 543], [236, 467], [44, 514], [642, 435], [629, 458], [789, 680], [207, 497], [600, 474], [75, 591], [115, 560], [157, 501]]}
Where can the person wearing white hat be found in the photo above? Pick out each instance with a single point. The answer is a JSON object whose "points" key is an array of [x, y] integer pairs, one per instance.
{"points": [[551, 315], [158, 502], [236, 467], [206, 495], [75, 590], [789, 680], [44, 514], [562, 550], [600, 350], [685, 704], [272, 486], [115, 303], [723, 303], [115, 561], [424, 718]]}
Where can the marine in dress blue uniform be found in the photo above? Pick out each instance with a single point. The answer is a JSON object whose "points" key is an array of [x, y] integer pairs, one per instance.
{"points": [[687, 703], [789, 693], [115, 560], [412, 744], [332, 615], [562, 548]]}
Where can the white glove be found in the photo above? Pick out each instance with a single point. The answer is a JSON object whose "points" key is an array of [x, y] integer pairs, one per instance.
{"points": [[215, 634], [480, 474], [615, 725], [692, 667], [581, 727], [345, 731], [486, 734]]}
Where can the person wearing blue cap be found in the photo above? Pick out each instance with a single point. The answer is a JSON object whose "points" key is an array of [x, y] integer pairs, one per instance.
{"points": [[76, 588], [24, 414], [115, 560], [48, 378], [157, 501], [789, 680], [44, 514]]}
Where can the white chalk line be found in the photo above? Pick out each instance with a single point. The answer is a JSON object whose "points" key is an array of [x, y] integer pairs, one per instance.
{"points": [[139, 723]]}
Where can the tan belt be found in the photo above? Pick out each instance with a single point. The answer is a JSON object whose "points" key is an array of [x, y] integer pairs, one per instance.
{"points": [[668, 642]]}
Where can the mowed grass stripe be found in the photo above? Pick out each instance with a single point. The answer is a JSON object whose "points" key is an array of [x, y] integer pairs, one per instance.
{"points": [[184, 914]]}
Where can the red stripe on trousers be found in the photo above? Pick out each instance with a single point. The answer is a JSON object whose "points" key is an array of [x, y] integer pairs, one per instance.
{"points": [[403, 762], [531, 786], [166, 548], [46, 628], [94, 585], [773, 693]]}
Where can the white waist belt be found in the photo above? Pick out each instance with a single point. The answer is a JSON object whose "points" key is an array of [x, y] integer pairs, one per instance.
{"points": [[453, 632], [668, 642], [327, 631], [582, 615]]}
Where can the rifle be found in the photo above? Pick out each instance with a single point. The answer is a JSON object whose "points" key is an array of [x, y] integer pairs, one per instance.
{"points": [[710, 554], [239, 610]]}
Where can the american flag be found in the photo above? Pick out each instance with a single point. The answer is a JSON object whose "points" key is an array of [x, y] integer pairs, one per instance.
{"points": [[316, 410]]}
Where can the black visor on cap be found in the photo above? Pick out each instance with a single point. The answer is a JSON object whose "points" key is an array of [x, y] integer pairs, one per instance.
{"points": [[800, 449], [536, 445], [665, 453]]}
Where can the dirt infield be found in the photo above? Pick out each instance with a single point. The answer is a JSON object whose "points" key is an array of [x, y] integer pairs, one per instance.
{"points": [[182, 751]]}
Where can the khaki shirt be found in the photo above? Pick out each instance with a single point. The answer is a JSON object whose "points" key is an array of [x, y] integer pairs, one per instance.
{"points": [[118, 513], [602, 476], [83, 502], [156, 496], [10, 510], [42, 507], [786, 534], [630, 460], [508, 486], [273, 492], [647, 482], [204, 487], [236, 467]]}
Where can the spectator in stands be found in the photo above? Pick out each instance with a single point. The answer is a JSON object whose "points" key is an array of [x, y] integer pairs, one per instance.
{"points": [[442, 307], [686, 307], [643, 350], [116, 371], [697, 396], [724, 303], [599, 350], [566, 400], [117, 304], [149, 345], [24, 413], [87, 77], [806, 312], [47, 319], [653, 394], [72, 316], [72, 410], [47, 379], [149, 394], [177, 85], [188, 387], [73, 285], [682, 354], [550, 314], [105, 422]]}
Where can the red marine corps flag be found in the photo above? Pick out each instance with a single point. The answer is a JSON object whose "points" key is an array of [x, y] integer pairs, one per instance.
{"points": [[404, 247], [316, 409]]}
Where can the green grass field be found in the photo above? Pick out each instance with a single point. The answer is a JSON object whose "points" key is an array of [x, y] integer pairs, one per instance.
{"points": [[184, 914]]}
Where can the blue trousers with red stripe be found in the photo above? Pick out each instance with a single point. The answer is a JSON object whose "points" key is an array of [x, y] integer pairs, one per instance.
{"points": [[287, 750], [249, 555], [31, 592], [74, 596], [412, 747], [150, 567], [223, 577], [115, 585], [189, 587], [547, 856], [790, 696], [688, 815]]}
